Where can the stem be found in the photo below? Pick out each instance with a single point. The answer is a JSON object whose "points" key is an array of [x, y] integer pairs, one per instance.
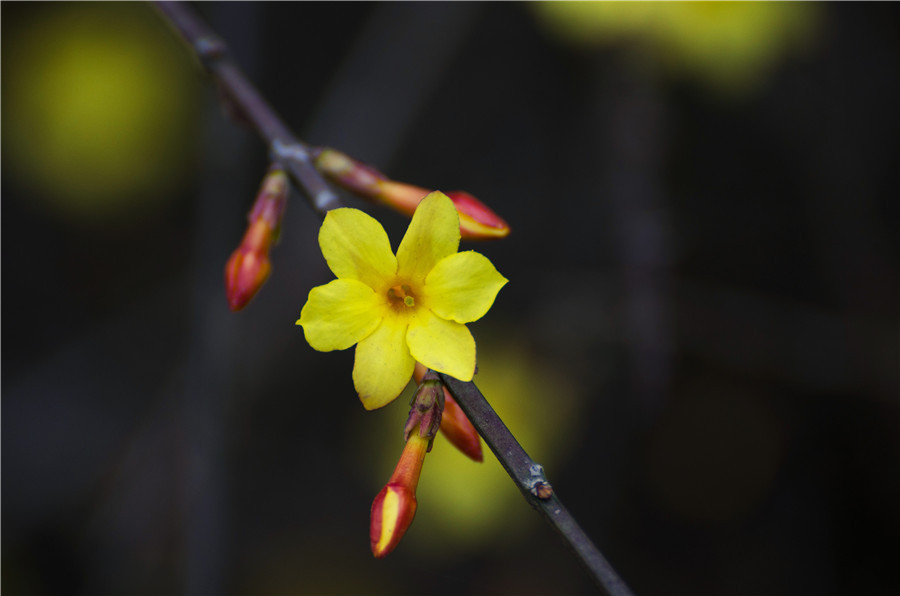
{"points": [[284, 147], [296, 157], [529, 477]]}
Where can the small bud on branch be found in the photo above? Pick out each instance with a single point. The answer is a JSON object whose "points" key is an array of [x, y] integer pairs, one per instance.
{"points": [[476, 220], [457, 429], [394, 507], [248, 267]]}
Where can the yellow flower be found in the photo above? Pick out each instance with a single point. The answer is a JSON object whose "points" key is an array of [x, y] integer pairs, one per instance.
{"points": [[403, 309]]}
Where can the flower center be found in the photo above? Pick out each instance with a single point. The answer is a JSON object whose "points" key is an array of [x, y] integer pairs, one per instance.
{"points": [[401, 295]]}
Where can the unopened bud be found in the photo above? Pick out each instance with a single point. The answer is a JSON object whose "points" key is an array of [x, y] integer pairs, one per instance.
{"points": [[458, 429], [394, 508], [249, 266], [476, 220]]}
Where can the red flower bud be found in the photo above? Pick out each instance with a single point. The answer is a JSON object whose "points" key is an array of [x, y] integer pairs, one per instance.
{"points": [[395, 506], [249, 266], [458, 429], [476, 220]]}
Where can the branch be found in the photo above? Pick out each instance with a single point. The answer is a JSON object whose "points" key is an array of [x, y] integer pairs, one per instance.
{"points": [[296, 157], [284, 147], [529, 477]]}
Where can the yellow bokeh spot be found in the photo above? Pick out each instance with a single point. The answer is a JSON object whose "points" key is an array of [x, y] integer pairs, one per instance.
{"points": [[99, 108], [729, 46]]}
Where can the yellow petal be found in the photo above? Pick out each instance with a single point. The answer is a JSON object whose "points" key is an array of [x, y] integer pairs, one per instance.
{"points": [[340, 314], [357, 247], [383, 365], [445, 346], [432, 235], [462, 287]]}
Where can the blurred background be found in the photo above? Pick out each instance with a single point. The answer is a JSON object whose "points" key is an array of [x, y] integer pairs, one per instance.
{"points": [[700, 339]]}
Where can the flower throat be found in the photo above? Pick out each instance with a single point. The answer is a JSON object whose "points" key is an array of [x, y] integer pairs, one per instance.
{"points": [[401, 295]]}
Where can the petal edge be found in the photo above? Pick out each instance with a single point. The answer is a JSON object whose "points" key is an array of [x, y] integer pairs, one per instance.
{"points": [[339, 314], [463, 287], [442, 345]]}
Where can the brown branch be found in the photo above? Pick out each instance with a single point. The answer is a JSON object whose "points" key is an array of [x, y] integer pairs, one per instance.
{"points": [[296, 157], [529, 477], [284, 146]]}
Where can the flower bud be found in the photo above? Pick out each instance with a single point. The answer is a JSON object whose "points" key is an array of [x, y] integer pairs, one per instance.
{"points": [[249, 265], [455, 426], [395, 506], [476, 220], [458, 429]]}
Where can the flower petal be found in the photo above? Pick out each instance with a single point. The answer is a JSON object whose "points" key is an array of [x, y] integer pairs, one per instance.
{"points": [[445, 346], [462, 287], [383, 365], [340, 314], [432, 235], [355, 246]]}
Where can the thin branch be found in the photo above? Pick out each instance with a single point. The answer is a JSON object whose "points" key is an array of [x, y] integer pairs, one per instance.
{"points": [[529, 477], [284, 146], [296, 157]]}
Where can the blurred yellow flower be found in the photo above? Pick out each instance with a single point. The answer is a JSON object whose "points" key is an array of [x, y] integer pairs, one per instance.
{"points": [[727, 45], [399, 309]]}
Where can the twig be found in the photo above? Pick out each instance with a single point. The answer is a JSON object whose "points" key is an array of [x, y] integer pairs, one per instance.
{"points": [[296, 157], [284, 147], [529, 477]]}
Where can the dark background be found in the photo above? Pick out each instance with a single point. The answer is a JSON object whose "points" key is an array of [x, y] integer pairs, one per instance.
{"points": [[704, 274]]}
